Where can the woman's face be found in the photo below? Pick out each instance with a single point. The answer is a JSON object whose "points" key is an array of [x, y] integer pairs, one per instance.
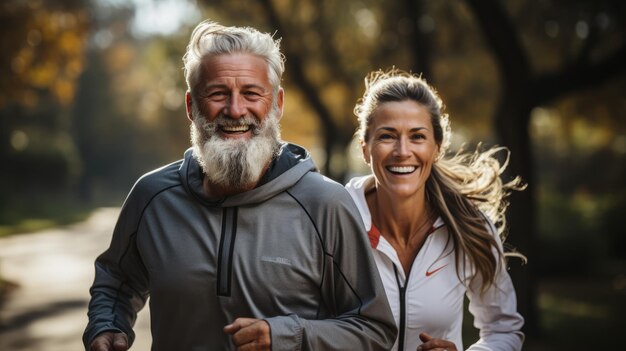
{"points": [[401, 148]]}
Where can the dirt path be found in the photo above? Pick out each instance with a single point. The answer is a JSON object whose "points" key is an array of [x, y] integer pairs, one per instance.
{"points": [[53, 270]]}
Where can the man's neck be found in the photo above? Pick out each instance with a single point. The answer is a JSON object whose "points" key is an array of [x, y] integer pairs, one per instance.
{"points": [[213, 190]]}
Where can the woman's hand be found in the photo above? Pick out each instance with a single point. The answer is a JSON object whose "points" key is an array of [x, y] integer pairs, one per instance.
{"points": [[429, 343]]}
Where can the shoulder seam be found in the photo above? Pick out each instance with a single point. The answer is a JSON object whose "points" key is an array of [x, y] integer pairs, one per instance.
{"points": [[133, 237], [343, 277]]}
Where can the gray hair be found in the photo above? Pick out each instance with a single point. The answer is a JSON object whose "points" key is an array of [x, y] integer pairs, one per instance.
{"points": [[211, 39]]}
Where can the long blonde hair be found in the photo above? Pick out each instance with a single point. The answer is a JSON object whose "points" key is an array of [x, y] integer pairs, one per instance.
{"points": [[465, 189]]}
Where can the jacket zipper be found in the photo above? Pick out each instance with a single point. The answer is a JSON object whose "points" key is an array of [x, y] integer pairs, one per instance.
{"points": [[402, 327], [225, 254]]}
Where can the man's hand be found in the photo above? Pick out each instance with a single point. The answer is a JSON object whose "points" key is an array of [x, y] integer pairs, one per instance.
{"points": [[429, 343], [110, 341], [250, 334]]}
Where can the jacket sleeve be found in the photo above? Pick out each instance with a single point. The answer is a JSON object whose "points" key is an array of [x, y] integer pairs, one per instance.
{"points": [[495, 312], [120, 288], [351, 290]]}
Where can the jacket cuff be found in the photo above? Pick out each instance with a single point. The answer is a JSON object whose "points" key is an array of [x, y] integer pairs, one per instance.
{"points": [[285, 332]]}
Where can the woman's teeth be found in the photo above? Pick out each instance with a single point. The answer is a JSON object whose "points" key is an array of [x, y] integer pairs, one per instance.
{"points": [[402, 169]]}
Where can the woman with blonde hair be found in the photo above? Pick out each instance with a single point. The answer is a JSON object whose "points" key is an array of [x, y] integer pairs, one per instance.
{"points": [[434, 221]]}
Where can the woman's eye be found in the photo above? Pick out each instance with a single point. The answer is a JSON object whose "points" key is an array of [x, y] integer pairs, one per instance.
{"points": [[418, 137], [385, 136]]}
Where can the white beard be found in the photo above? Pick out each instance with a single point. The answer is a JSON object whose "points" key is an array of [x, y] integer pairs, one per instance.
{"points": [[234, 163]]}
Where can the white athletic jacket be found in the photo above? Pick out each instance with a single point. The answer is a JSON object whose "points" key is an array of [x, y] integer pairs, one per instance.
{"points": [[430, 299]]}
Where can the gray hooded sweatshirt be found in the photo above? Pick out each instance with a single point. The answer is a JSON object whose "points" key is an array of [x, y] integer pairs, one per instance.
{"points": [[292, 251]]}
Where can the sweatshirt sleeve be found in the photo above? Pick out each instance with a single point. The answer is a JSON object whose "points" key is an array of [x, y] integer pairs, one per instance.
{"points": [[495, 313], [120, 288], [360, 317]]}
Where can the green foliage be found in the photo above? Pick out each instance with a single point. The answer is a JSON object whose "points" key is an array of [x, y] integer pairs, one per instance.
{"points": [[581, 168], [613, 225], [569, 239], [31, 212], [581, 233], [570, 307]]}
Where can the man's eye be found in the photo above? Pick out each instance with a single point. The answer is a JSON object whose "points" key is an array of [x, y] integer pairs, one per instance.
{"points": [[217, 95]]}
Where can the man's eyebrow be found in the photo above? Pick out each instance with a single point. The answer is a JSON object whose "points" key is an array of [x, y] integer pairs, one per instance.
{"points": [[224, 86], [253, 86], [392, 129]]}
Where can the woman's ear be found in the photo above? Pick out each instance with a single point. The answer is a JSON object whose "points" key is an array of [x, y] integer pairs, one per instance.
{"points": [[365, 152]]}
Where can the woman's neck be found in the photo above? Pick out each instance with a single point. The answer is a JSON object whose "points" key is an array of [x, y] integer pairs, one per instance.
{"points": [[402, 220]]}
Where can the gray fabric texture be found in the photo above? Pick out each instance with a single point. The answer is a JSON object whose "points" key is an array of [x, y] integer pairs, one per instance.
{"points": [[292, 251]]}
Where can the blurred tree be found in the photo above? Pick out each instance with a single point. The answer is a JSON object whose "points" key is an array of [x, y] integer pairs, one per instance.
{"points": [[592, 50], [128, 116], [42, 46]]}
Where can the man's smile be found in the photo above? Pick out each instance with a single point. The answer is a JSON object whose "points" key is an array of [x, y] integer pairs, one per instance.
{"points": [[235, 129]]}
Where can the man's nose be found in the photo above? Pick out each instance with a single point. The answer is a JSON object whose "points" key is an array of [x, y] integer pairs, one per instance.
{"points": [[236, 107]]}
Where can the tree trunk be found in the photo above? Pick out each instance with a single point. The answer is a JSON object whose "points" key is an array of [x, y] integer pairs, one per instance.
{"points": [[296, 69], [512, 127], [419, 42]]}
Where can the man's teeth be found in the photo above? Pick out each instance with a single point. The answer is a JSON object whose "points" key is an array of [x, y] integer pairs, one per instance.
{"points": [[235, 129], [402, 169]]}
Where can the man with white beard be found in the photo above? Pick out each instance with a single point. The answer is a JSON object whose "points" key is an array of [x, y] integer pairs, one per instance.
{"points": [[242, 244]]}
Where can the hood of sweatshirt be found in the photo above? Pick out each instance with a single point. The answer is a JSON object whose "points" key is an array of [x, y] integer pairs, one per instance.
{"points": [[286, 169]]}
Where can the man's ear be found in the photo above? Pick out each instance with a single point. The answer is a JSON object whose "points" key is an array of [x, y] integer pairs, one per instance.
{"points": [[280, 100], [188, 102]]}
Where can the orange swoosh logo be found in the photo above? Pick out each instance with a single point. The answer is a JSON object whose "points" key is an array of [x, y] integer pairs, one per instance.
{"points": [[428, 274]]}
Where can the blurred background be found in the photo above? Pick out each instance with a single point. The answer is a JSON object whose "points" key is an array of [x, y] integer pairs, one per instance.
{"points": [[92, 92]]}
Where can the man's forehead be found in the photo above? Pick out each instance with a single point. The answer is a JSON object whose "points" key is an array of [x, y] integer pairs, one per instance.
{"points": [[236, 62], [239, 67]]}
